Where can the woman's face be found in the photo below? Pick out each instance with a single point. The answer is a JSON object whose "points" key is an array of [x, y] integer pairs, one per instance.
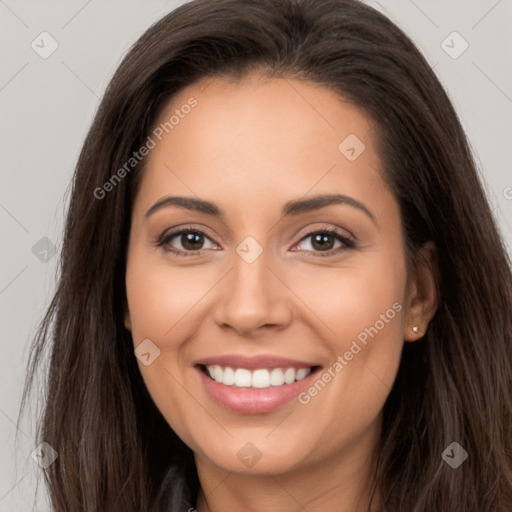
{"points": [[255, 291]]}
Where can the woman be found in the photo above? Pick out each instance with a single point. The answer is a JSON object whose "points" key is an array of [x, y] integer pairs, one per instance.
{"points": [[273, 198]]}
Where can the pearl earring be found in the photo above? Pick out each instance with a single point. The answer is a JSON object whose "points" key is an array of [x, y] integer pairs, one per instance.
{"points": [[416, 329]]}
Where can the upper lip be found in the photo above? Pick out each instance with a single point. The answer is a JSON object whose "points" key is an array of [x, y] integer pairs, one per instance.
{"points": [[253, 362]]}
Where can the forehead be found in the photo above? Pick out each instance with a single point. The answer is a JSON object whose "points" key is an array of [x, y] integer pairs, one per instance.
{"points": [[257, 137]]}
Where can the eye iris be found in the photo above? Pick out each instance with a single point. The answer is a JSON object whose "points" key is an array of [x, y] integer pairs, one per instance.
{"points": [[189, 239], [321, 241]]}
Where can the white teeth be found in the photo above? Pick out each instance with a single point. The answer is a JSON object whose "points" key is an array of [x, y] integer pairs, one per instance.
{"points": [[289, 375], [261, 378], [277, 377], [217, 373], [302, 372], [242, 378], [228, 377]]}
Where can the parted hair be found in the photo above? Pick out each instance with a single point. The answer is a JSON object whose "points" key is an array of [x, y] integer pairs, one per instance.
{"points": [[116, 451]]}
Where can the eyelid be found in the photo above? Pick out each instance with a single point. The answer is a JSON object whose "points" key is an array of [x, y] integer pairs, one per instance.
{"points": [[328, 228], [168, 235], [348, 241]]}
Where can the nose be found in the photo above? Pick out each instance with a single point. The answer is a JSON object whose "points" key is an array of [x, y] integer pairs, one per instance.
{"points": [[253, 298]]}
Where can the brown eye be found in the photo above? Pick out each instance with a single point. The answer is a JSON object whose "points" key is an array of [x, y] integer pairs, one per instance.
{"points": [[191, 241], [185, 241], [324, 241]]}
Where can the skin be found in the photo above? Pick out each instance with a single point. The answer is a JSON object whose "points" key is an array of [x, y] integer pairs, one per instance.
{"points": [[250, 146]]}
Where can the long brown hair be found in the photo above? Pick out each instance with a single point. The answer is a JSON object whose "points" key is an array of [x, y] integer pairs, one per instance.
{"points": [[116, 452]]}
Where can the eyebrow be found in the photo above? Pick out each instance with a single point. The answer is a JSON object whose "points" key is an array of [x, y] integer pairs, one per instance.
{"points": [[291, 208]]}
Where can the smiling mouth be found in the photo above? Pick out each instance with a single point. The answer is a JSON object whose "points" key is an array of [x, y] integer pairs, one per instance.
{"points": [[261, 378]]}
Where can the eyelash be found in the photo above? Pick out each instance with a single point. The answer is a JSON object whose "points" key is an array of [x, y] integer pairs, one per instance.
{"points": [[165, 239]]}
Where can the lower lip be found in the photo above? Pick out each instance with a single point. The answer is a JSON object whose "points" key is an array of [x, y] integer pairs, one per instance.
{"points": [[253, 400]]}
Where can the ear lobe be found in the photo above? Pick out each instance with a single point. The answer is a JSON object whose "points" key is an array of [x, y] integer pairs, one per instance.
{"points": [[423, 293]]}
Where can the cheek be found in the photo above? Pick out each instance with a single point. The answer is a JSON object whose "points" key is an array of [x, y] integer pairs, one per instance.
{"points": [[166, 306], [162, 298], [161, 302], [350, 300], [360, 309]]}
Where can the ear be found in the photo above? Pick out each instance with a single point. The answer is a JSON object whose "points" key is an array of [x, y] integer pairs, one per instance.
{"points": [[422, 296], [127, 320], [127, 317]]}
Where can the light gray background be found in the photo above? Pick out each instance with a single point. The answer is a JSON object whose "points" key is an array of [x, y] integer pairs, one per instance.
{"points": [[48, 104]]}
